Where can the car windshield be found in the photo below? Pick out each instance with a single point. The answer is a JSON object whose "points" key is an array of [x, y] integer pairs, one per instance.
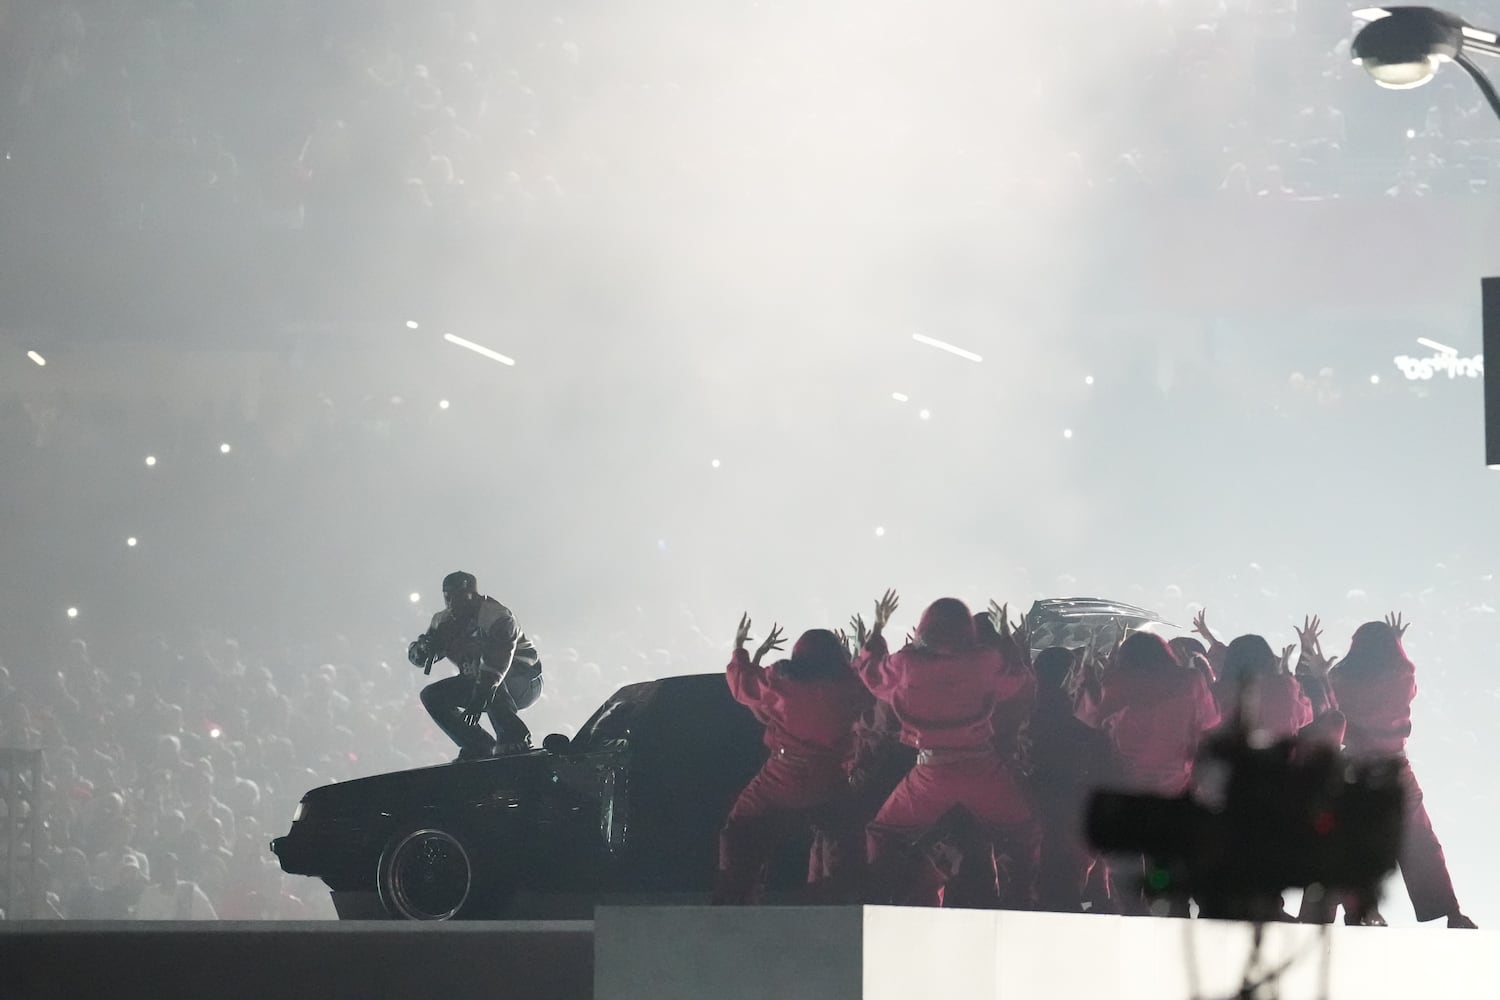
{"points": [[616, 717]]}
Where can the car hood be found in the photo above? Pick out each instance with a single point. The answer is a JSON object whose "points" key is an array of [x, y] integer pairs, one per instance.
{"points": [[438, 783]]}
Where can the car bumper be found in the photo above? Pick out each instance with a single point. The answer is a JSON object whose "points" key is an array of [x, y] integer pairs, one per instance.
{"points": [[301, 854]]}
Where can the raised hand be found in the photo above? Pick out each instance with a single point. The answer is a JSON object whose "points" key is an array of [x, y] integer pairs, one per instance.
{"points": [[860, 630], [1394, 621], [1320, 665], [1286, 658], [884, 608], [1200, 626], [1021, 635], [1312, 656], [772, 641], [1310, 632], [1000, 618], [742, 633]]}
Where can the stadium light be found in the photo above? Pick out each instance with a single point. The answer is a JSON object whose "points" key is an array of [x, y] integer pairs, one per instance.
{"points": [[1403, 47]]}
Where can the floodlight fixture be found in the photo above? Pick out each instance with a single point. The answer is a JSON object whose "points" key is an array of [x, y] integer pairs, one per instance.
{"points": [[1403, 47]]}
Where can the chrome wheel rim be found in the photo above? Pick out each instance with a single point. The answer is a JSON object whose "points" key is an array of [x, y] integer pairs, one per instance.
{"points": [[429, 875]]}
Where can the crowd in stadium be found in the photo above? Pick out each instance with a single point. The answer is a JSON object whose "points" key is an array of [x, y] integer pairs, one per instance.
{"points": [[201, 115]]}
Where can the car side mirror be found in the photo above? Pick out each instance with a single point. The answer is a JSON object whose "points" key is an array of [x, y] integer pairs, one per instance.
{"points": [[556, 743]]}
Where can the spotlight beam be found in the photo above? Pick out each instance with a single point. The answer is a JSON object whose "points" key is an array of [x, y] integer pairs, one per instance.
{"points": [[479, 349], [941, 345]]}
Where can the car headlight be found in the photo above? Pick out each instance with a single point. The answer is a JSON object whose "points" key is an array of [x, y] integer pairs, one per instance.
{"points": [[299, 812]]}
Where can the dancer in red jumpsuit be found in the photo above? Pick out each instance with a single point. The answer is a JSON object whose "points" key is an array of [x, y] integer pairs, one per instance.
{"points": [[1374, 686], [1069, 760], [1259, 685], [944, 689], [837, 867], [809, 704], [1154, 711]]}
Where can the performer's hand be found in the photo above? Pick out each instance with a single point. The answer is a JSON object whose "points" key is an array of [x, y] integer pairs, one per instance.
{"points": [[1394, 621], [1021, 636], [884, 608], [1200, 625], [999, 618], [742, 633], [479, 703], [1310, 632], [861, 631], [1314, 661], [772, 641]]}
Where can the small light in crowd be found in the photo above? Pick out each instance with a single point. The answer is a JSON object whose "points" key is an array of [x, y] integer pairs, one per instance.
{"points": [[150, 460], [215, 732], [1068, 432], [72, 612], [714, 463], [925, 414], [411, 324], [900, 397], [414, 597], [443, 404], [130, 541], [224, 448], [34, 356], [880, 532], [1374, 379], [1411, 133], [1088, 380]]}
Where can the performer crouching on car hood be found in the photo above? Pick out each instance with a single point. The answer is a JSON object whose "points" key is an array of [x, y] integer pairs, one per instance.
{"points": [[808, 704], [499, 674]]}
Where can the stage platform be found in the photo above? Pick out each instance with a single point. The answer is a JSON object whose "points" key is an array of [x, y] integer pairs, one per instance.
{"points": [[704, 953], [318, 960], [892, 953]]}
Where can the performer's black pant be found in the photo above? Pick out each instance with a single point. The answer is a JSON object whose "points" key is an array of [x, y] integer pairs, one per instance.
{"points": [[447, 699]]}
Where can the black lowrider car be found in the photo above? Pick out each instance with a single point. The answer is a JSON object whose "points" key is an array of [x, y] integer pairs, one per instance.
{"points": [[628, 809]]}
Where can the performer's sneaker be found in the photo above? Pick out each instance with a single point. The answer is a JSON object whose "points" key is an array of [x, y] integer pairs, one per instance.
{"points": [[1461, 922], [472, 753], [506, 749]]}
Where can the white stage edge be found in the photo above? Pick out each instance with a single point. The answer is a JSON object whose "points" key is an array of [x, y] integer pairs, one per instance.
{"points": [[896, 953]]}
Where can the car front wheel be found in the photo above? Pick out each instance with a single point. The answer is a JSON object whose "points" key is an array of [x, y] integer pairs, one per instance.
{"points": [[425, 873]]}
